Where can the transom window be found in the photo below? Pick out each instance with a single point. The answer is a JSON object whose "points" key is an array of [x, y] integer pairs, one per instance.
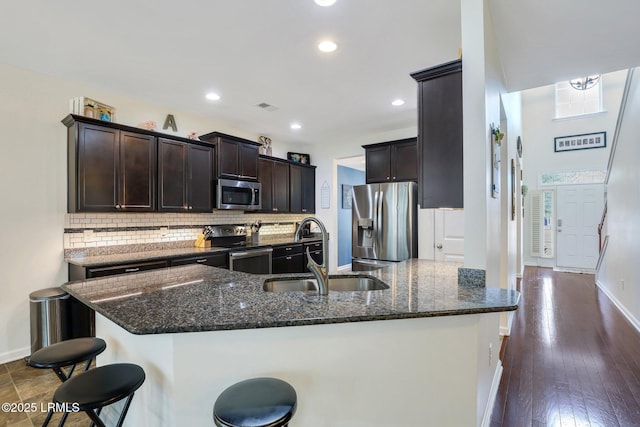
{"points": [[571, 102]]}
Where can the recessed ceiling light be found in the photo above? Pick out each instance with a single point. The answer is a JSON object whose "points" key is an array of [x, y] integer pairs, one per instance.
{"points": [[212, 96], [296, 126], [327, 46], [397, 102], [325, 2]]}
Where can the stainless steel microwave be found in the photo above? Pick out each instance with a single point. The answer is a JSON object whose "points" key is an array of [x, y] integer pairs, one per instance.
{"points": [[237, 194]]}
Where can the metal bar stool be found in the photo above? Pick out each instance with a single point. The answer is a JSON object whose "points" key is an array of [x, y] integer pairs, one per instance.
{"points": [[257, 402], [66, 354], [92, 390]]}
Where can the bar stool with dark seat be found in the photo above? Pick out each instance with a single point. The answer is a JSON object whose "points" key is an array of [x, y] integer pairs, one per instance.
{"points": [[93, 390], [257, 402], [67, 353]]}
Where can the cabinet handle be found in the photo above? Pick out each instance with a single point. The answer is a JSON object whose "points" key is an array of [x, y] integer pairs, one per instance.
{"points": [[288, 249], [275, 209], [304, 210], [387, 177], [201, 260], [190, 207], [131, 270], [394, 177], [287, 258], [117, 206]]}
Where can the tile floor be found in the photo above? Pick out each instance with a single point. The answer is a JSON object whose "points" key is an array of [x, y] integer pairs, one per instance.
{"points": [[20, 383]]}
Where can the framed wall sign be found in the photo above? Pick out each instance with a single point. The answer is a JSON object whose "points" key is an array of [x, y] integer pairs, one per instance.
{"points": [[580, 142], [347, 191]]}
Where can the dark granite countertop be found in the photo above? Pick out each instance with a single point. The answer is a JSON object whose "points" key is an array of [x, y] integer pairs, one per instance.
{"points": [[199, 298], [152, 255]]}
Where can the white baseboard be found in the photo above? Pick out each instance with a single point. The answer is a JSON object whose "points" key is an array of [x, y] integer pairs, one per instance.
{"points": [[630, 317], [493, 392], [10, 356]]}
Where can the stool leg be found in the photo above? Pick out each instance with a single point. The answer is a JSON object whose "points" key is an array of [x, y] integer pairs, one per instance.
{"points": [[63, 419], [124, 410], [95, 418], [46, 420]]}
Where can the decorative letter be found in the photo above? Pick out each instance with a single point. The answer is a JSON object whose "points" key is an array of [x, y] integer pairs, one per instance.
{"points": [[170, 121]]}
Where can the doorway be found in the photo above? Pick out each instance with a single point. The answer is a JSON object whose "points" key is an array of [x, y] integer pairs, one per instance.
{"points": [[579, 209], [350, 172]]}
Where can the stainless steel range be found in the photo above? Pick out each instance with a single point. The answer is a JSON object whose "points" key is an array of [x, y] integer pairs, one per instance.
{"points": [[241, 258]]}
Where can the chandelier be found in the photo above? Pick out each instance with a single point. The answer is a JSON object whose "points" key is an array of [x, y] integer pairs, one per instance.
{"points": [[584, 83]]}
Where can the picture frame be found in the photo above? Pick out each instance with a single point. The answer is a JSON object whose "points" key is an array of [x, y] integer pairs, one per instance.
{"points": [[347, 196], [580, 142], [299, 158], [91, 108]]}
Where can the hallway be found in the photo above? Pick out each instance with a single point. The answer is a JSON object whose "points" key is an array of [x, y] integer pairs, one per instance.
{"points": [[572, 358]]}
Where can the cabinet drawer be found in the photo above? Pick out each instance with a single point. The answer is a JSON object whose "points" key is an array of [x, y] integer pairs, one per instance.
{"points": [[316, 256], [124, 268], [313, 246], [288, 264], [214, 260], [280, 251]]}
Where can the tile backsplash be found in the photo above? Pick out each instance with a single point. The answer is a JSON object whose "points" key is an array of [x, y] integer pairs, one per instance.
{"points": [[119, 231]]}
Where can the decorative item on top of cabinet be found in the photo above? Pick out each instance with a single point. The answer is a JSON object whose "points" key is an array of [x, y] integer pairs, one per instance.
{"points": [[391, 161], [440, 156], [266, 145], [110, 168], [235, 157]]}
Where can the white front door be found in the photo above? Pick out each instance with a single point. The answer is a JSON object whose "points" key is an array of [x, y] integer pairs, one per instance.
{"points": [[578, 215]]}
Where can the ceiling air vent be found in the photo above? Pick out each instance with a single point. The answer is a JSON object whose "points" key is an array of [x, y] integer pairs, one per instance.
{"points": [[267, 107]]}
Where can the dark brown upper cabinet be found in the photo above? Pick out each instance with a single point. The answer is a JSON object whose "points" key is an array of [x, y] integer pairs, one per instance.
{"points": [[185, 176], [440, 183], [109, 169], [273, 175], [236, 157], [302, 185], [391, 161]]}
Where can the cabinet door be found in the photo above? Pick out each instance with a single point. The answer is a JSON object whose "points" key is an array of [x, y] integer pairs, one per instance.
{"points": [[265, 176], [137, 172], [228, 157], [97, 176], [404, 161], [172, 176], [308, 190], [378, 164], [440, 129], [280, 187], [288, 264], [302, 182], [248, 164], [200, 184]]}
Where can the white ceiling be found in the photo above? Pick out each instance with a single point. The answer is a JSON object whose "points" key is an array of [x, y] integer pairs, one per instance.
{"points": [[254, 51]]}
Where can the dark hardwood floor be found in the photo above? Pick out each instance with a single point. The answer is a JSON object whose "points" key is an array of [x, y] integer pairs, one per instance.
{"points": [[572, 358]]}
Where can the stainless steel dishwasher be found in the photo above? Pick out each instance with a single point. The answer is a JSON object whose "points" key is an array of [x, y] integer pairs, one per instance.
{"points": [[256, 261]]}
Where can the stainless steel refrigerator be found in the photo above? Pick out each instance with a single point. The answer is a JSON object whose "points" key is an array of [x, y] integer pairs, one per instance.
{"points": [[385, 224]]}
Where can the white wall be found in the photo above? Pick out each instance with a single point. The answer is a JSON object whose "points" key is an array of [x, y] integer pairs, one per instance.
{"points": [[619, 275], [33, 185], [485, 237], [539, 129]]}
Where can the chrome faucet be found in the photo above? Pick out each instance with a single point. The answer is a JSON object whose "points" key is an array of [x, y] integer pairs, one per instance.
{"points": [[320, 271]]}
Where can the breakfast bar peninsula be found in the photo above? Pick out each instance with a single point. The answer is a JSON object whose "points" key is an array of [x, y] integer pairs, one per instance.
{"points": [[420, 349]]}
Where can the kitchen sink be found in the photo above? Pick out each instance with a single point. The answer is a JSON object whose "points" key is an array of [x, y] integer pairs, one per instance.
{"points": [[337, 284]]}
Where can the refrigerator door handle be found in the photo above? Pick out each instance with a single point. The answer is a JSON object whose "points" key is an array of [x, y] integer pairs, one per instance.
{"points": [[380, 226], [374, 231]]}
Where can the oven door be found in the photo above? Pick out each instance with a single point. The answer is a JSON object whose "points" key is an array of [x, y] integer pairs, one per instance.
{"points": [[255, 261], [234, 194]]}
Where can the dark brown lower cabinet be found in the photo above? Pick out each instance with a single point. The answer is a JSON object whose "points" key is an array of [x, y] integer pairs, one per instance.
{"points": [[287, 259], [213, 260]]}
